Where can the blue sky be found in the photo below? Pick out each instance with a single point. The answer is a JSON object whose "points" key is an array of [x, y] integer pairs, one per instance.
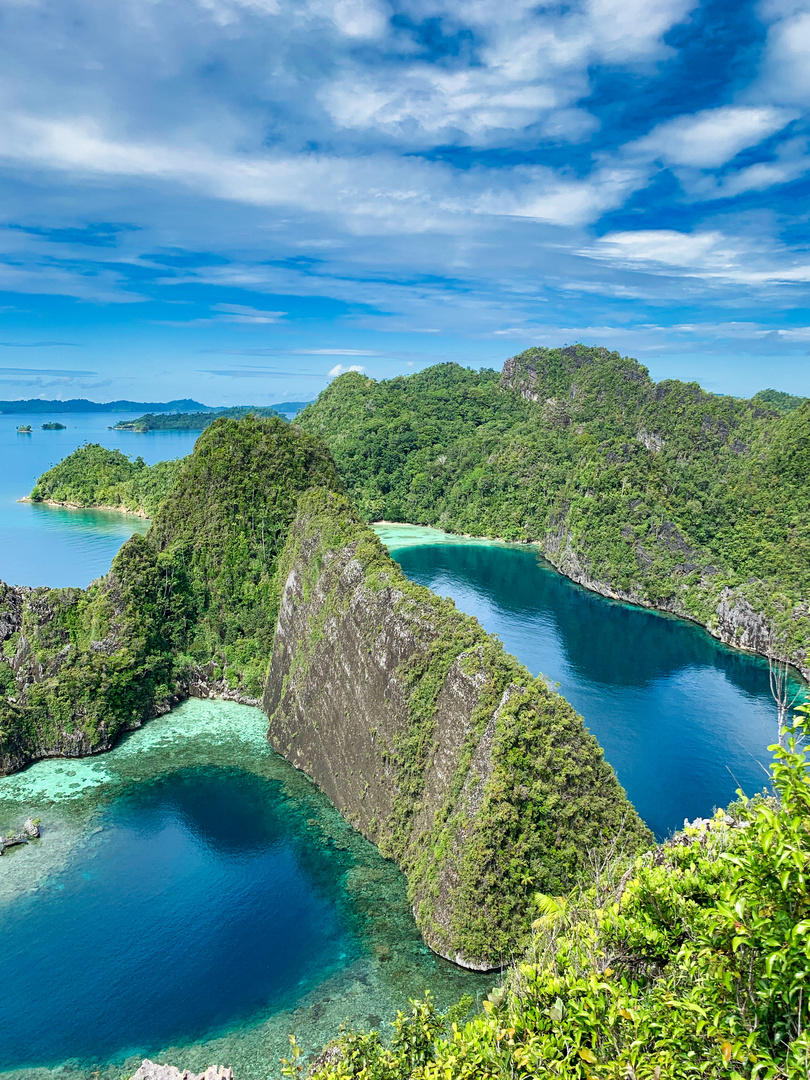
{"points": [[236, 199]]}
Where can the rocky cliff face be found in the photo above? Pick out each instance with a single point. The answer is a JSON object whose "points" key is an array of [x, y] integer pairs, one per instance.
{"points": [[726, 612], [482, 783], [755, 615]]}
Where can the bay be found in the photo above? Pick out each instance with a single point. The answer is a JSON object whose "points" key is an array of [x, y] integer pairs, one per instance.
{"points": [[194, 898], [684, 720]]}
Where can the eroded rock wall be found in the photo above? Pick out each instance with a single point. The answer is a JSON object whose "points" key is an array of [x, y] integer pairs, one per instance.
{"points": [[482, 783]]}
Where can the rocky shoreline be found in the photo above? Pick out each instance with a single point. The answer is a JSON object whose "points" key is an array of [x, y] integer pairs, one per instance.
{"points": [[739, 625], [78, 506], [149, 1070]]}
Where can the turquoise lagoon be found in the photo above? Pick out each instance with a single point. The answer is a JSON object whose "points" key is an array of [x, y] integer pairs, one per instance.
{"points": [[195, 899]]}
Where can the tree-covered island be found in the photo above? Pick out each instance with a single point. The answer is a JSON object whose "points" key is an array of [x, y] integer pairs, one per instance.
{"points": [[622, 960]]}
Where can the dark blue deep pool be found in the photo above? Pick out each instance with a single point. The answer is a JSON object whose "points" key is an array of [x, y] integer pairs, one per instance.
{"points": [[684, 721]]}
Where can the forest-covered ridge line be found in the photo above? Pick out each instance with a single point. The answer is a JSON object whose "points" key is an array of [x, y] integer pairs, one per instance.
{"points": [[660, 494]]}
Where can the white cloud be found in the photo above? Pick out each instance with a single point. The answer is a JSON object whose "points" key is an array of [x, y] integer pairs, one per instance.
{"points": [[339, 369], [241, 313], [532, 68], [713, 137], [786, 67], [709, 255]]}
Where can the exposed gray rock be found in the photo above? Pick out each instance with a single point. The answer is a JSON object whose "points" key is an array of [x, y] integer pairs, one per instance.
{"points": [[30, 831], [355, 644], [149, 1070]]}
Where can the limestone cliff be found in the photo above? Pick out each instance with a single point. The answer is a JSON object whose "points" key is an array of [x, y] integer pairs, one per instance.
{"points": [[482, 783], [686, 442]]}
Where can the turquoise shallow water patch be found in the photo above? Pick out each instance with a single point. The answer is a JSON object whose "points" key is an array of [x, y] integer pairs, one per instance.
{"points": [[194, 898]]}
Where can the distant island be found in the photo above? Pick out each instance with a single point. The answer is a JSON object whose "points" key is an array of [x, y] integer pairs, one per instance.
{"points": [[54, 426], [192, 421], [82, 405], [24, 429]]}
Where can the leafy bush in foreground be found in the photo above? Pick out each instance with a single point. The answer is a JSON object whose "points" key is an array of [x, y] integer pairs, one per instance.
{"points": [[692, 962]]}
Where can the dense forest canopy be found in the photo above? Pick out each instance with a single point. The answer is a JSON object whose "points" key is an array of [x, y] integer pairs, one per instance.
{"points": [[689, 962], [95, 476], [192, 421], [663, 492], [197, 593]]}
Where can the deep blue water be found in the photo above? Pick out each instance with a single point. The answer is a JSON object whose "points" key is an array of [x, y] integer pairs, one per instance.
{"points": [[209, 901], [205, 898], [684, 721], [46, 545]]}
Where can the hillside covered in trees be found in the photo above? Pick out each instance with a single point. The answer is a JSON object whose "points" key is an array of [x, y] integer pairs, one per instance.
{"points": [[661, 493], [688, 962], [191, 421], [95, 476]]}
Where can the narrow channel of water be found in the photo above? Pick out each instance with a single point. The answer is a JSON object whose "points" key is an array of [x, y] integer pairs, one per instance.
{"points": [[684, 720], [195, 899]]}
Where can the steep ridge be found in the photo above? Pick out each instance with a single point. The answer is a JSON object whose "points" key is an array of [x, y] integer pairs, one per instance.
{"points": [[190, 607], [477, 779], [660, 494]]}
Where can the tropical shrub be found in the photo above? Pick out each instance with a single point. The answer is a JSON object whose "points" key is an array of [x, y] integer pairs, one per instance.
{"points": [[690, 962]]}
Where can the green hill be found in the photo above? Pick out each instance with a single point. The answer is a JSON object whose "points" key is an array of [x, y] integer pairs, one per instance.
{"points": [[192, 421], [662, 494], [95, 476]]}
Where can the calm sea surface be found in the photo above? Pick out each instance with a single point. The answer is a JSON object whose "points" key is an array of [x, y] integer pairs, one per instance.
{"points": [[684, 721], [194, 898], [45, 545]]}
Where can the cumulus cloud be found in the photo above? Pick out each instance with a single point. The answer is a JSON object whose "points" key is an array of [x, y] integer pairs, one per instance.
{"points": [[418, 166], [339, 369], [786, 67]]}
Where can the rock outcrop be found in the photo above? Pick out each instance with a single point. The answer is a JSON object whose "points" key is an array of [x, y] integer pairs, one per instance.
{"points": [[30, 831], [481, 782], [149, 1070]]}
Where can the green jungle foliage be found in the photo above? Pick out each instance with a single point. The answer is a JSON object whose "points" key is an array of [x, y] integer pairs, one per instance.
{"points": [[689, 962], [660, 492], [195, 595], [194, 421], [550, 798], [95, 476], [53, 426], [779, 400]]}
